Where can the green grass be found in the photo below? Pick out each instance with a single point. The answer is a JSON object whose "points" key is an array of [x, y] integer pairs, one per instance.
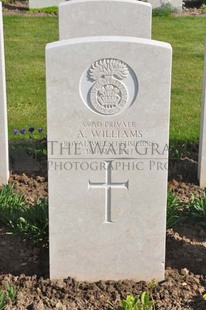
{"points": [[187, 36], [25, 41], [49, 10]]}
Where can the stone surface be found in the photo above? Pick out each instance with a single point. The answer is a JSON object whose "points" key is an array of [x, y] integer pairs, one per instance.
{"points": [[177, 4], [79, 18], [202, 145], [108, 125], [37, 4], [4, 163]]}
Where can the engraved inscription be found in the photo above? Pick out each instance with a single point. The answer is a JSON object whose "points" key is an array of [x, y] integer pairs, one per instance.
{"points": [[108, 186]]}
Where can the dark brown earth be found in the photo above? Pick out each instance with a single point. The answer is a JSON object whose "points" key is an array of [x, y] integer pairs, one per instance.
{"points": [[26, 266]]}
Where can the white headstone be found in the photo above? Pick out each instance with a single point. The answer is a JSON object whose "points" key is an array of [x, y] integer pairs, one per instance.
{"points": [[202, 145], [176, 4], [80, 18], [108, 125], [38, 4], [4, 162]]}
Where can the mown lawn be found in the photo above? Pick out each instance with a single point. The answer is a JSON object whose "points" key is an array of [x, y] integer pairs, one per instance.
{"points": [[187, 36], [25, 40]]}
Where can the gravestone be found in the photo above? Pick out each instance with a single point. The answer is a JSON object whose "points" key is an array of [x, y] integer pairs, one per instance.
{"points": [[4, 163], [176, 4], [80, 18], [108, 126], [202, 145], [37, 4]]}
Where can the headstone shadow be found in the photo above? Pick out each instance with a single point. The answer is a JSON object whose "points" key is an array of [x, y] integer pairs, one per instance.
{"points": [[26, 157], [19, 256], [183, 251]]}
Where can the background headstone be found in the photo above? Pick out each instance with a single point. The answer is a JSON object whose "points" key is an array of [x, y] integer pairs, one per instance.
{"points": [[79, 18], [202, 145], [177, 4], [4, 163], [37, 4], [108, 117]]}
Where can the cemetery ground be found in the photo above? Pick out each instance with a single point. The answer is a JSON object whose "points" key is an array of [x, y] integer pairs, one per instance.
{"points": [[24, 263]]}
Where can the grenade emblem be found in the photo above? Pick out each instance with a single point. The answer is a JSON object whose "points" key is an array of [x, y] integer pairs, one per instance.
{"points": [[108, 95]]}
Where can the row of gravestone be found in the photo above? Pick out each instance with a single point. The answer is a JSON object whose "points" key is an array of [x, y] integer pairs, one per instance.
{"points": [[4, 162], [34, 4], [108, 102]]}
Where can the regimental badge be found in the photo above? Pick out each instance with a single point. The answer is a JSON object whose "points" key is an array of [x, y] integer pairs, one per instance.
{"points": [[108, 95], [108, 87]]}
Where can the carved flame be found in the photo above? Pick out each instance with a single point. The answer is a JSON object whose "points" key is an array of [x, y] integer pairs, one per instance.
{"points": [[108, 67]]}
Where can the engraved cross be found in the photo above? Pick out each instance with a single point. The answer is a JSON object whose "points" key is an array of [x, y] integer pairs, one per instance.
{"points": [[108, 186]]}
